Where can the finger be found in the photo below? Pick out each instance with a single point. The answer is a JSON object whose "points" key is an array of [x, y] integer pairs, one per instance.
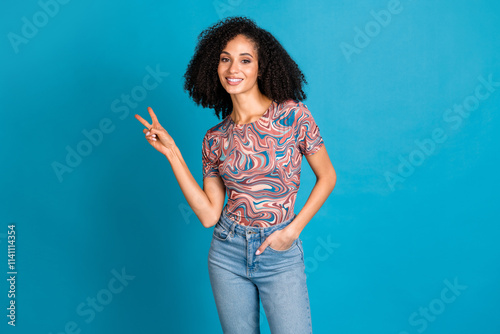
{"points": [[150, 135], [148, 132], [156, 132], [153, 115], [143, 121], [151, 138], [262, 247]]}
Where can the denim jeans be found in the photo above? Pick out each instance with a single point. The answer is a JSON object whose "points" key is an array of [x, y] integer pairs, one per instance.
{"points": [[239, 278]]}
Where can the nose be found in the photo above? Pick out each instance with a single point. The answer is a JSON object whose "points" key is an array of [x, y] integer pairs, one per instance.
{"points": [[233, 68]]}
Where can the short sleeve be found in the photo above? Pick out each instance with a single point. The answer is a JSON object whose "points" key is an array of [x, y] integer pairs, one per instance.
{"points": [[209, 157], [309, 137]]}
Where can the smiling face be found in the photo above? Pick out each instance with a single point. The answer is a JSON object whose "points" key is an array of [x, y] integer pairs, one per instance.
{"points": [[239, 66]]}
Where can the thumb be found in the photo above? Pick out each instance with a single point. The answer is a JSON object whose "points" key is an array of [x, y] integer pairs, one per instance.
{"points": [[154, 131]]}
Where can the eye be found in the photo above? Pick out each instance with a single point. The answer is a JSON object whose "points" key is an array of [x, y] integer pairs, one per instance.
{"points": [[246, 61], [223, 59]]}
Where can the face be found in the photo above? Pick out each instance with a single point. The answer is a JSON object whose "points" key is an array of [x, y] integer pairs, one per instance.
{"points": [[238, 66]]}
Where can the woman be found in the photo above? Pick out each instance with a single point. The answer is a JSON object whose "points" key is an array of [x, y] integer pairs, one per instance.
{"points": [[254, 154]]}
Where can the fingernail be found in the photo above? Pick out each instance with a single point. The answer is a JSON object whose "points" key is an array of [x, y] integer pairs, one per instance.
{"points": [[257, 252], [147, 133]]}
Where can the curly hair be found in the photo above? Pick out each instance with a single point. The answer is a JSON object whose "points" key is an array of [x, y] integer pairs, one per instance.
{"points": [[280, 78]]}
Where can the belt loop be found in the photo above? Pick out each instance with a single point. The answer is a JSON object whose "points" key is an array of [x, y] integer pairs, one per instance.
{"points": [[233, 225], [261, 235]]}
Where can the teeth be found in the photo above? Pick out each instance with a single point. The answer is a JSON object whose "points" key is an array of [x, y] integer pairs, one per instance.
{"points": [[234, 80]]}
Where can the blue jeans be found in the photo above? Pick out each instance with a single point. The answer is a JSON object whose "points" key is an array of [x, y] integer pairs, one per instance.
{"points": [[239, 278]]}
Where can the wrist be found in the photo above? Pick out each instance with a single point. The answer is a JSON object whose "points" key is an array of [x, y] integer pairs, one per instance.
{"points": [[293, 231], [171, 152]]}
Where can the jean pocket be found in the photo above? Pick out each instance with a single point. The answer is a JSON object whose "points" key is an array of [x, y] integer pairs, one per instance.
{"points": [[293, 246], [220, 232]]}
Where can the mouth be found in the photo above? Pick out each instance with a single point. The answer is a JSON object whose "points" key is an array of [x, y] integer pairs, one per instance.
{"points": [[233, 81]]}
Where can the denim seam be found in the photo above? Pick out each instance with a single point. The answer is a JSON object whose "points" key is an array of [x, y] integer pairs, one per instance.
{"points": [[301, 249], [294, 244], [216, 234]]}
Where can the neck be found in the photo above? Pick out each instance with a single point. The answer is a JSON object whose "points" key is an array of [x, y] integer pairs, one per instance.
{"points": [[248, 107]]}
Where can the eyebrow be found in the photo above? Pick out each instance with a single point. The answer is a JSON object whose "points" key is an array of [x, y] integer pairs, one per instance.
{"points": [[241, 54]]}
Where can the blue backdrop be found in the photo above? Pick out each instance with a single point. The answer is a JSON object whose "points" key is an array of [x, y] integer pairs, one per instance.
{"points": [[405, 94]]}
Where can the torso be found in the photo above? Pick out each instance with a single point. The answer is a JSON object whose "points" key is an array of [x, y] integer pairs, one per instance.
{"points": [[260, 162]]}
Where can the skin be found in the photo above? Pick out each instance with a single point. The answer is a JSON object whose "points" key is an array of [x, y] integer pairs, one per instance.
{"points": [[239, 59]]}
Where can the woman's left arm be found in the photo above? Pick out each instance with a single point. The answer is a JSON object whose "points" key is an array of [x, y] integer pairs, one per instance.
{"points": [[325, 182]]}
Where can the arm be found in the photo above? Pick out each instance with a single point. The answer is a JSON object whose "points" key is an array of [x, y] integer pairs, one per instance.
{"points": [[206, 203], [325, 182]]}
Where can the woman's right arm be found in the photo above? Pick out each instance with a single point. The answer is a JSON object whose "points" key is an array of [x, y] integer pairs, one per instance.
{"points": [[207, 203]]}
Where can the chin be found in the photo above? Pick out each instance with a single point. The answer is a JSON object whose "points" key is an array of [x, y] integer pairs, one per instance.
{"points": [[234, 90]]}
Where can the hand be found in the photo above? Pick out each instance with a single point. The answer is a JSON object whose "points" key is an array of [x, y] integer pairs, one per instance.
{"points": [[156, 135], [278, 240]]}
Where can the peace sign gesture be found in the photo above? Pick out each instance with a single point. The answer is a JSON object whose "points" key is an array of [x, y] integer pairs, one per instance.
{"points": [[156, 135]]}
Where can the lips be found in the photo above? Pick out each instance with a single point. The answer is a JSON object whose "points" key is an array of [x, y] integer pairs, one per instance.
{"points": [[234, 81]]}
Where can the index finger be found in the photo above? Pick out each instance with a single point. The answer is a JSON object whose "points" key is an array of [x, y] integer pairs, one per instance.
{"points": [[143, 121]]}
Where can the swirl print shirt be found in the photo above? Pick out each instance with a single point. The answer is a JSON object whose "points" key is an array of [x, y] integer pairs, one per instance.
{"points": [[260, 162]]}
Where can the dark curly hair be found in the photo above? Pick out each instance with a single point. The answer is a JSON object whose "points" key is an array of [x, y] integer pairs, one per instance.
{"points": [[280, 78]]}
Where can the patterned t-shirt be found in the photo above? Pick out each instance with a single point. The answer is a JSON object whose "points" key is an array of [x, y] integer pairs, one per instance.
{"points": [[260, 162]]}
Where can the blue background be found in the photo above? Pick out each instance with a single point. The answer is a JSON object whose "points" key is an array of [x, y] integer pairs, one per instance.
{"points": [[403, 223]]}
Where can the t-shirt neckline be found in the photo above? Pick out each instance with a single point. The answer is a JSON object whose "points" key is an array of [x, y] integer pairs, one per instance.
{"points": [[264, 115]]}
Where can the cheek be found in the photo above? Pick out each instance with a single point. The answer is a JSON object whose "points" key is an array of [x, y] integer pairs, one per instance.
{"points": [[221, 67], [256, 70], [220, 72], [252, 71]]}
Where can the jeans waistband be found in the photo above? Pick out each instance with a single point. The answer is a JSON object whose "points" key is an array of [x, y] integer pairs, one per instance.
{"points": [[242, 230]]}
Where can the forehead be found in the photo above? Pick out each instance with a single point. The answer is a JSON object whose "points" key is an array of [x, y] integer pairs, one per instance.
{"points": [[240, 44]]}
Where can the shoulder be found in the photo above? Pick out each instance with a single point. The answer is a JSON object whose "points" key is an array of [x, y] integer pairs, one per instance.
{"points": [[217, 131], [219, 127], [293, 109], [288, 105]]}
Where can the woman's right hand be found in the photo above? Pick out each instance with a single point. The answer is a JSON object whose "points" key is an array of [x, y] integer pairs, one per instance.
{"points": [[156, 135]]}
